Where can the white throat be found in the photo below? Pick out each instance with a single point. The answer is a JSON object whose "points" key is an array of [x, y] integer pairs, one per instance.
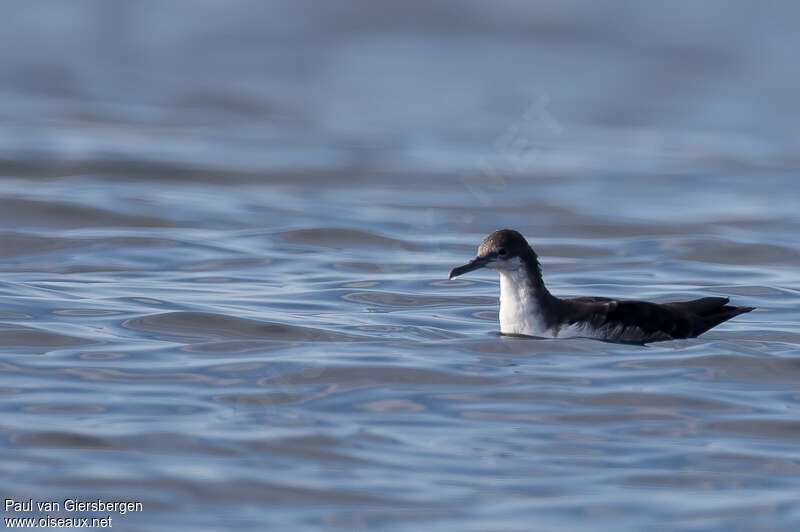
{"points": [[520, 312]]}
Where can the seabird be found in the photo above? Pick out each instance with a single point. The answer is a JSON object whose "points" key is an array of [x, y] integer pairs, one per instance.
{"points": [[528, 308]]}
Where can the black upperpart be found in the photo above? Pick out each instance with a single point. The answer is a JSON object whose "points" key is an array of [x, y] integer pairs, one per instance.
{"points": [[648, 322], [623, 319]]}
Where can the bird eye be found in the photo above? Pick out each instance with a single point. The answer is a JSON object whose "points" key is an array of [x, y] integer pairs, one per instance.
{"points": [[501, 252]]}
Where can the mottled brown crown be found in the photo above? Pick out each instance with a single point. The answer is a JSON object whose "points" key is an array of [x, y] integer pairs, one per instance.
{"points": [[512, 242]]}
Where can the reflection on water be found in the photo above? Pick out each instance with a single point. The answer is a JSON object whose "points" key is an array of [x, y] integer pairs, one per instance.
{"points": [[224, 242]]}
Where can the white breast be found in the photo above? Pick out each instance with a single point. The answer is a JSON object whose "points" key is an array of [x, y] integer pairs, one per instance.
{"points": [[519, 311]]}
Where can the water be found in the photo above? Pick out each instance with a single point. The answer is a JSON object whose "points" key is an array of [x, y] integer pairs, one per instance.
{"points": [[224, 242]]}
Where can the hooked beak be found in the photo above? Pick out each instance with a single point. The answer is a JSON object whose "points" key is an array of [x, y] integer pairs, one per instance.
{"points": [[474, 264]]}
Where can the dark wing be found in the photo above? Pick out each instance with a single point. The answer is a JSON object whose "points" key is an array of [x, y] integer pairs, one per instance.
{"points": [[630, 320], [708, 312], [591, 299], [702, 306], [651, 321]]}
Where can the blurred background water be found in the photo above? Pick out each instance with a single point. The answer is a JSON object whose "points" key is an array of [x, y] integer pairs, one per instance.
{"points": [[225, 229]]}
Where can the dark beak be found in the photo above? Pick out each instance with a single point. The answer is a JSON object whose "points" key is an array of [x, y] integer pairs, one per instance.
{"points": [[474, 264]]}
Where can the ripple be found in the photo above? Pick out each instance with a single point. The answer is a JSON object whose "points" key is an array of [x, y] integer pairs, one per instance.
{"points": [[654, 400], [64, 409], [781, 429], [344, 238], [684, 480], [576, 251], [226, 264], [311, 447], [14, 315], [209, 325], [251, 492], [12, 244], [262, 400], [755, 290], [392, 405], [765, 464], [87, 312], [103, 356], [729, 367], [372, 267], [18, 336], [63, 439], [232, 347], [727, 252], [391, 299], [51, 213], [172, 377], [376, 375]]}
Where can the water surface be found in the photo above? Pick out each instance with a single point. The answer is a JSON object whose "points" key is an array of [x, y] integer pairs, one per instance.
{"points": [[224, 245]]}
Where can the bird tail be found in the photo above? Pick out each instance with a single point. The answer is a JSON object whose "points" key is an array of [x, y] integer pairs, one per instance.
{"points": [[719, 315]]}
